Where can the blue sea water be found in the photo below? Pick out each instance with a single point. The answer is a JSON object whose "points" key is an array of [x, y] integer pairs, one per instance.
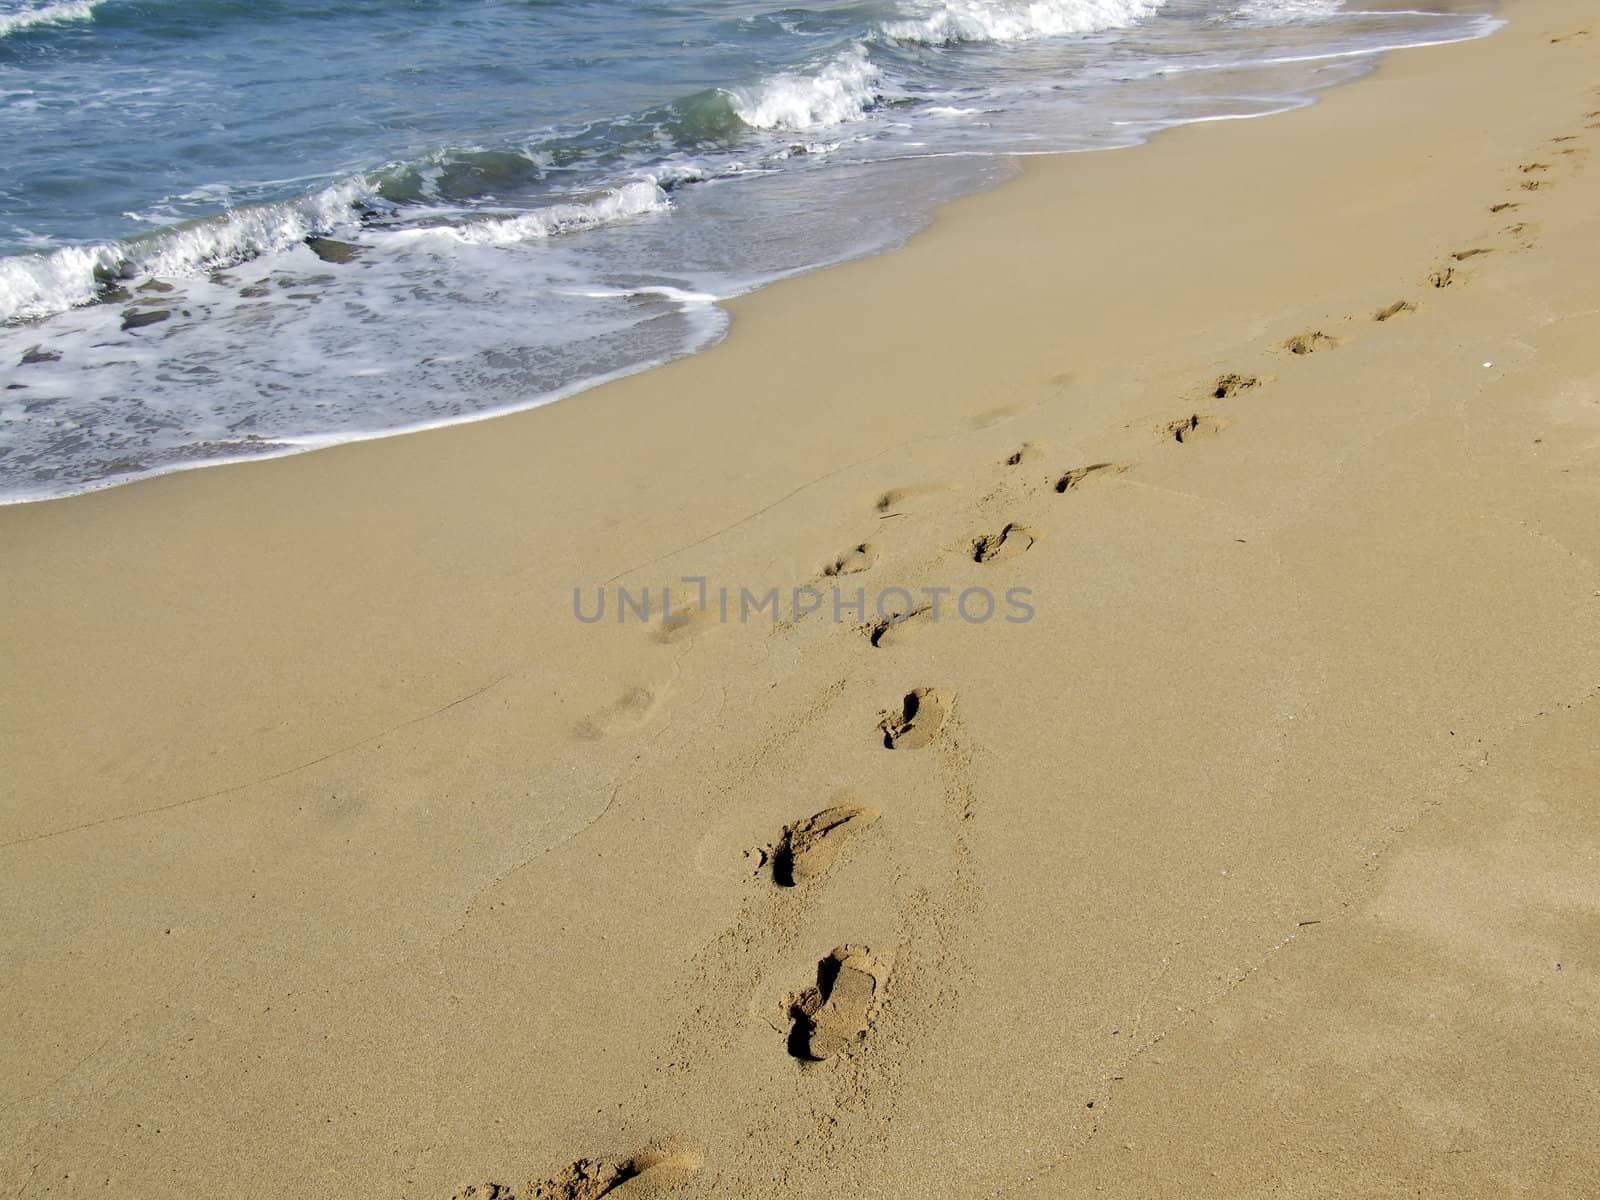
{"points": [[242, 227]]}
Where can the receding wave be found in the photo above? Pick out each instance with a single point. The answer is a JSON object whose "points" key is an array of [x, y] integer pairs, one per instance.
{"points": [[61, 13], [631, 200], [1009, 21], [1284, 11]]}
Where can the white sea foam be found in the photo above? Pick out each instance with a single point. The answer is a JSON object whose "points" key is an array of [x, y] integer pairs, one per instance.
{"points": [[676, 295], [37, 285], [1283, 12], [60, 13], [841, 91], [466, 302], [631, 200], [953, 21]]}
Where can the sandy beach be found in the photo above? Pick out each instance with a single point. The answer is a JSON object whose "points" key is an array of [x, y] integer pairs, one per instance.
{"points": [[343, 855]]}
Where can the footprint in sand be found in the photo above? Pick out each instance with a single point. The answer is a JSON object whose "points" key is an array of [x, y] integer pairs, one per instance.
{"points": [[1504, 206], [862, 558], [900, 499], [1398, 309], [1526, 233], [1026, 453], [1533, 168], [895, 628], [1444, 277], [650, 1172], [1193, 428], [1232, 384], [1011, 541], [918, 721], [808, 848], [1311, 342], [834, 1016], [1475, 252], [1080, 476], [997, 416], [681, 624], [1535, 185], [630, 711]]}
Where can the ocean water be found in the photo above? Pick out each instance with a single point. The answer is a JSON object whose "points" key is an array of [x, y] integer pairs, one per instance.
{"points": [[240, 227]]}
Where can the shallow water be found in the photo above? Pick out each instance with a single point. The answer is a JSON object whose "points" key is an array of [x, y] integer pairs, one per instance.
{"points": [[230, 228]]}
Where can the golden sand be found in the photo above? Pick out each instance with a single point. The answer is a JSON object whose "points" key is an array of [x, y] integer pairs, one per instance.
{"points": [[340, 859]]}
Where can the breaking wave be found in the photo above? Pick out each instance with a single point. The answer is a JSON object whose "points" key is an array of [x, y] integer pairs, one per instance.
{"points": [[39, 285], [844, 90], [61, 13]]}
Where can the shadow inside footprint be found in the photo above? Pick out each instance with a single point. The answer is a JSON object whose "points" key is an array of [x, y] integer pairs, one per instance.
{"points": [[1310, 342], [1232, 384], [902, 499], [807, 848], [886, 631], [1025, 453], [1193, 427], [922, 715], [1078, 476], [1011, 541], [834, 1015], [862, 558]]}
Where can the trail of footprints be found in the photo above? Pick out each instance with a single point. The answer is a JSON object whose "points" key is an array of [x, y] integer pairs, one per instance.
{"points": [[831, 1017]]}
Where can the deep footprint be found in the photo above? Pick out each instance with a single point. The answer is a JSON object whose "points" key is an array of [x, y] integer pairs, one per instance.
{"points": [[920, 719], [807, 848], [1398, 308], [889, 630], [1011, 541], [835, 1015], [1232, 384], [862, 558], [1078, 476], [1193, 428]]}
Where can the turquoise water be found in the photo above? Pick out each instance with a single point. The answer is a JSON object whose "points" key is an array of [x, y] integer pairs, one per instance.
{"points": [[229, 228]]}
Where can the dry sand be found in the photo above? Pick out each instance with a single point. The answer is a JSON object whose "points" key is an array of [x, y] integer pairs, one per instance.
{"points": [[340, 859]]}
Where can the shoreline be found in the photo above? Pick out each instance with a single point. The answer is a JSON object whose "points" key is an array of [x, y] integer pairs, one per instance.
{"points": [[1260, 861], [295, 444]]}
